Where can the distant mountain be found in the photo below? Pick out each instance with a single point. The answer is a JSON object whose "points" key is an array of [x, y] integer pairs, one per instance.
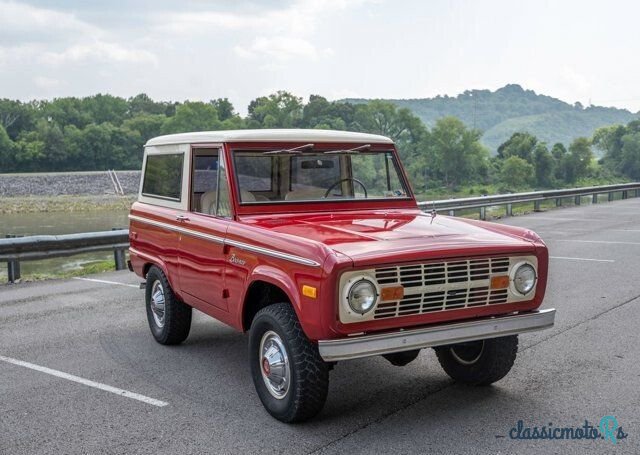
{"points": [[511, 108]]}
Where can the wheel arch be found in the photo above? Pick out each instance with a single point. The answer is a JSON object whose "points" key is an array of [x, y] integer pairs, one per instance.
{"points": [[266, 286]]}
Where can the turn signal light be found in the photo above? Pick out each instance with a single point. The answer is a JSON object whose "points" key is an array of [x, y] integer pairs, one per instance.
{"points": [[500, 282], [394, 293], [309, 291]]}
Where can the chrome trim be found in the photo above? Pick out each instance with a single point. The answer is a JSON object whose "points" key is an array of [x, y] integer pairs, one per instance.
{"points": [[438, 335], [234, 243], [272, 253], [171, 227]]}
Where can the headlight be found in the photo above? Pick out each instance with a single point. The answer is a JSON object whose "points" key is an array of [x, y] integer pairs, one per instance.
{"points": [[524, 278], [362, 296]]}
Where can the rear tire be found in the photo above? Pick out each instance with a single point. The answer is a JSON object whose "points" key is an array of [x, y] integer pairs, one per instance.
{"points": [[480, 362], [289, 375], [169, 319]]}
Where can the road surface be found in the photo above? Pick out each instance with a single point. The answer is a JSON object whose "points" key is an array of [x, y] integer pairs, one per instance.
{"points": [[80, 372]]}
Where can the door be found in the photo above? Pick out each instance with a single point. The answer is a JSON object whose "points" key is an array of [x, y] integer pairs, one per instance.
{"points": [[201, 258]]}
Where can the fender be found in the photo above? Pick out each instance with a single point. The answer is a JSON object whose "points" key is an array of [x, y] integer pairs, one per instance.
{"points": [[139, 260], [279, 278]]}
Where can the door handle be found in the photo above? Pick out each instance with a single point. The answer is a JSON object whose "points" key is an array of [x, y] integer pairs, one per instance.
{"points": [[182, 218]]}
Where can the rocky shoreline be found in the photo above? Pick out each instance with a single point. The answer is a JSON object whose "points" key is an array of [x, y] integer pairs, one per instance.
{"points": [[67, 184]]}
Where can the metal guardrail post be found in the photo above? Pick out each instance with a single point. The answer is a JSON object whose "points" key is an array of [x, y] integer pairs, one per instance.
{"points": [[536, 206], [13, 267], [594, 198], [577, 200], [558, 202], [119, 259], [509, 211], [624, 195], [483, 213], [119, 256], [610, 196], [452, 213]]}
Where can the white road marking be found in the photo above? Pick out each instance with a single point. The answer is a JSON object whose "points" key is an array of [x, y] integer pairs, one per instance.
{"points": [[87, 382], [106, 282], [581, 259], [608, 242], [548, 218], [626, 230]]}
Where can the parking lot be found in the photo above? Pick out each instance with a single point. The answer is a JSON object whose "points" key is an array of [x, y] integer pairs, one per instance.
{"points": [[80, 372]]}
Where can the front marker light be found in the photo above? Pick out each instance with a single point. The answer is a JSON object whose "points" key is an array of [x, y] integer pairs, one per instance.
{"points": [[362, 296], [524, 278]]}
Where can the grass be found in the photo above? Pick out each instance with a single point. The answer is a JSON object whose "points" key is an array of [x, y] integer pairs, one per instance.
{"points": [[84, 269], [66, 203]]}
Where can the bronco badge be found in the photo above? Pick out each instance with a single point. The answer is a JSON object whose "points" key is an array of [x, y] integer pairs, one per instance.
{"points": [[236, 260]]}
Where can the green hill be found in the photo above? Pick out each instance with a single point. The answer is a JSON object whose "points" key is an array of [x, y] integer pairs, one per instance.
{"points": [[511, 108]]}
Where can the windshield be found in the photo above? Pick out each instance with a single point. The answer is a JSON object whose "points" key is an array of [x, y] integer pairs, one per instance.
{"points": [[316, 176]]}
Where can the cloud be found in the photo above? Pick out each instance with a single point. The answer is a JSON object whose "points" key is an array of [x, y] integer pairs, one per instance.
{"points": [[281, 48], [279, 33], [53, 38], [100, 51], [21, 23]]}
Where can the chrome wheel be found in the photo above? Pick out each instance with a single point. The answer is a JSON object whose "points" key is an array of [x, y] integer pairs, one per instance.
{"points": [[274, 365], [468, 353], [157, 303]]}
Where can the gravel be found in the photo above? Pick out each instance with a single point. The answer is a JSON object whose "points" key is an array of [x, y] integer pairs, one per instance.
{"points": [[66, 183]]}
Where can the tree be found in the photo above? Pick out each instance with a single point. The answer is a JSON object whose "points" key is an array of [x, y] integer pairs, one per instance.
{"points": [[224, 108], [192, 116], [630, 159], [521, 145], [7, 150], [578, 159], [457, 153], [516, 172], [544, 166], [279, 110]]}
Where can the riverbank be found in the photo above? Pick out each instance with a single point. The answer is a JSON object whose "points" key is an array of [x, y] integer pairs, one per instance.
{"points": [[64, 203]]}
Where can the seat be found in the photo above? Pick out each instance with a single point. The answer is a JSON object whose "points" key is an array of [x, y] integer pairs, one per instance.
{"points": [[305, 194], [208, 202]]}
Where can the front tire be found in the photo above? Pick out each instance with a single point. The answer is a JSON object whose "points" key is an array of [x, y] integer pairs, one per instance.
{"points": [[289, 375], [480, 362], [169, 319]]}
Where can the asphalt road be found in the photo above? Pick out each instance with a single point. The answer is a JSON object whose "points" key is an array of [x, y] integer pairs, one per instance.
{"points": [[586, 367]]}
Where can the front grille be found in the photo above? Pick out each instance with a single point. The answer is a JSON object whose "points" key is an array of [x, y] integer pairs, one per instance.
{"points": [[440, 286]]}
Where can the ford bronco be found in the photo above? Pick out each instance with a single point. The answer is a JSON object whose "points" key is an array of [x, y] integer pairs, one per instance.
{"points": [[312, 241]]}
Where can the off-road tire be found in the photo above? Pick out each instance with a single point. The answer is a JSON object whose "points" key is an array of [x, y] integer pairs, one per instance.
{"points": [[309, 383], [177, 315], [492, 364]]}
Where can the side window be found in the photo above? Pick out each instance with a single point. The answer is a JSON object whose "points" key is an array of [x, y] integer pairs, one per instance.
{"points": [[209, 186], [163, 176], [204, 182]]}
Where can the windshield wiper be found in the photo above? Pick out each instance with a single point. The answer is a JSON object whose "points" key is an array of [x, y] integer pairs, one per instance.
{"points": [[293, 151], [354, 150]]}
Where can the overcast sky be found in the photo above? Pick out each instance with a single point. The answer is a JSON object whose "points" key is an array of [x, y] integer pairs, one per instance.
{"points": [[197, 49]]}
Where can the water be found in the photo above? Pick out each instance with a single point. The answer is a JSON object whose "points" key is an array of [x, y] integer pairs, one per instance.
{"points": [[60, 223]]}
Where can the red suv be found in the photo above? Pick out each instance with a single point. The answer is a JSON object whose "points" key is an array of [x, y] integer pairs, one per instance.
{"points": [[312, 241]]}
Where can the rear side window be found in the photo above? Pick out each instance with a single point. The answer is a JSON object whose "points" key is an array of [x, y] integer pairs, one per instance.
{"points": [[163, 176]]}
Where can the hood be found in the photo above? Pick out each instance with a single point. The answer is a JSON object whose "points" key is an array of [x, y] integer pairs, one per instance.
{"points": [[372, 236]]}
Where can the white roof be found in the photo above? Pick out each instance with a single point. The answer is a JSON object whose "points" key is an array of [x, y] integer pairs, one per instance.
{"points": [[280, 135]]}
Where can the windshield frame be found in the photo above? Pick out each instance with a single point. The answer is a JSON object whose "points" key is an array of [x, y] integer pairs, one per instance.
{"points": [[252, 207]]}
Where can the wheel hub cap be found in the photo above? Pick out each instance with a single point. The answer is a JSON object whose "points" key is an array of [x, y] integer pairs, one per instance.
{"points": [[275, 369], [157, 303]]}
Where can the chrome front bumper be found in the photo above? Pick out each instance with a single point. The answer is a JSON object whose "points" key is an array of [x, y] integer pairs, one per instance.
{"points": [[438, 335]]}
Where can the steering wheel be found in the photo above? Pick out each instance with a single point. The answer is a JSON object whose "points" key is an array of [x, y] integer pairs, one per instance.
{"points": [[344, 180]]}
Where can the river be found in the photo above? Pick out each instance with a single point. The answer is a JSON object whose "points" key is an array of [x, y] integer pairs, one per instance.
{"points": [[60, 223]]}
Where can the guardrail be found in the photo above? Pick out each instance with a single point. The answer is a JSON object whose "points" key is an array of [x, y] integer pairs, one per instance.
{"points": [[15, 249], [537, 197]]}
